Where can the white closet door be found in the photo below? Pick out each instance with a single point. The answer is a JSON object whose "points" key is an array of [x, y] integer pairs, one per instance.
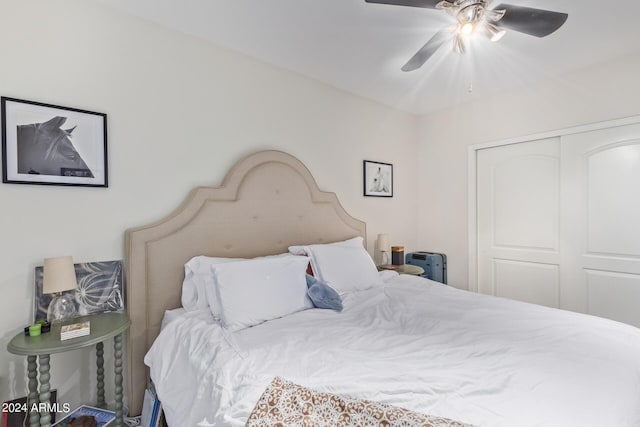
{"points": [[601, 223], [518, 221]]}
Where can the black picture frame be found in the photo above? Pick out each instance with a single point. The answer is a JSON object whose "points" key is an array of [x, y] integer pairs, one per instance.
{"points": [[37, 150], [377, 179]]}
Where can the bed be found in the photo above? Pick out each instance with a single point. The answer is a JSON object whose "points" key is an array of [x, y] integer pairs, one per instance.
{"points": [[403, 341]]}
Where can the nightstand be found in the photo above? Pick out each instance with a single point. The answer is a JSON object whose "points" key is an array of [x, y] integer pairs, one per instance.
{"points": [[103, 326], [403, 269]]}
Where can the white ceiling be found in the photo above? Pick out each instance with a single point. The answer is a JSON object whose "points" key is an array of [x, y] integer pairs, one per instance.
{"points": [[360, 47]]}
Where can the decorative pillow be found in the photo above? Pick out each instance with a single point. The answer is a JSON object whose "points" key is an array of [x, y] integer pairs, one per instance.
{"points": [[323, 295], [253, 291], [198, 277], [345, 266]]}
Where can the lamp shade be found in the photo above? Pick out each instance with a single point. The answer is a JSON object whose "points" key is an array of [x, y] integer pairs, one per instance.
{"points": [[59, 275], [383, 242]]}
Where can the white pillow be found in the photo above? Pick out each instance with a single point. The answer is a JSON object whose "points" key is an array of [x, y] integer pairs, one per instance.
{"points": [[170, 316], [353, 242], [345, 266], [253, 291], [198, 277]]}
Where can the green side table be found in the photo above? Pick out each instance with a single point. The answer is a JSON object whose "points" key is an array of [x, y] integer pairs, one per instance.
{"points": [[103, 326], [403, 269]]}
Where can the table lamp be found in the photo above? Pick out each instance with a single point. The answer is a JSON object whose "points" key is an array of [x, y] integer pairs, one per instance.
{"points": [[59, 275], [383, 246]]}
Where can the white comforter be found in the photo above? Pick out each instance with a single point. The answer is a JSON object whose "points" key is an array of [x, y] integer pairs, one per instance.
{"points": [[416, 344]]}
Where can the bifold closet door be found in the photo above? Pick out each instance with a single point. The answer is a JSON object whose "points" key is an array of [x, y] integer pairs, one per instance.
{"points": [[518, 221], [601, 223], [558, 222]]}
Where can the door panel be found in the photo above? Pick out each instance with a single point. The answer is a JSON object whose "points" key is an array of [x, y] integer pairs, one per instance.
{"points": [[518, 221], [613, 207], [601, 205], [526, 202], [613, 295], [530, 282]]}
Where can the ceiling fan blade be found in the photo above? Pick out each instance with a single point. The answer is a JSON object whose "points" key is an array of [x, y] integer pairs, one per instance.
{"points": [[427, 50], [429, 4], [527, 20]]}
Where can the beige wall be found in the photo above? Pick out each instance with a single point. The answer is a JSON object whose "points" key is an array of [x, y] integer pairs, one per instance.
{"points": [[600, 93], [180, 113]]}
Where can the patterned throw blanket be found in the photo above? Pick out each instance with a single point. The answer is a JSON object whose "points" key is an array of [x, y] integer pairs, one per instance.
{"points": [[286, 404]]}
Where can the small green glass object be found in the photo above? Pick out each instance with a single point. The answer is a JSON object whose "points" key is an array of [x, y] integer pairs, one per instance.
{"points": [[34, 330]]}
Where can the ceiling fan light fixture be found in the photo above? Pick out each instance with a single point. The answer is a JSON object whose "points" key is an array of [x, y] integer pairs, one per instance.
{"points": [[470, 13], [444, 4], [494, 15], [458, 44], [494, 32], [474, 16], [467, 29]]}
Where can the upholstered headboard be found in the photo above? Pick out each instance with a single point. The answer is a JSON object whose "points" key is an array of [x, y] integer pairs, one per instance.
{"points": [[267, 202]]}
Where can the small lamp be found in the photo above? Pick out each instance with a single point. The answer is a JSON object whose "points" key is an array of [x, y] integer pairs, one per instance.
{"points": [[383, 246], [59, 276]]}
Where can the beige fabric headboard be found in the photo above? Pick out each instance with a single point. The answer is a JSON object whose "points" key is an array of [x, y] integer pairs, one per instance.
{"points": [[267, 202]]}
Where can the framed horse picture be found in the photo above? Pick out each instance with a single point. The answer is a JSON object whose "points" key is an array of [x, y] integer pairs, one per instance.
{"points": [[50, 144], [378, 179]]}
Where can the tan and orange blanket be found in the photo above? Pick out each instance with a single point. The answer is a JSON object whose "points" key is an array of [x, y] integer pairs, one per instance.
{"points": [[286, 404]]}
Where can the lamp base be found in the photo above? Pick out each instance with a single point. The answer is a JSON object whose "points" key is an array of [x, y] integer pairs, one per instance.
{"points": [[384, 257], [61, 308]]}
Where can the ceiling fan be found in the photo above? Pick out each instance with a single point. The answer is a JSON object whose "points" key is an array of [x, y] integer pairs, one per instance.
{"points": [[475, 15]]}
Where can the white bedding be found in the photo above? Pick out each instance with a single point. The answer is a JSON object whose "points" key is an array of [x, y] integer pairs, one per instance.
{"points": [[412, 343]]}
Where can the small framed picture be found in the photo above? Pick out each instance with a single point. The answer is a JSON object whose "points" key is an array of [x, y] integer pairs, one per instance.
{"points": [[378, 179], [49, 144]]}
